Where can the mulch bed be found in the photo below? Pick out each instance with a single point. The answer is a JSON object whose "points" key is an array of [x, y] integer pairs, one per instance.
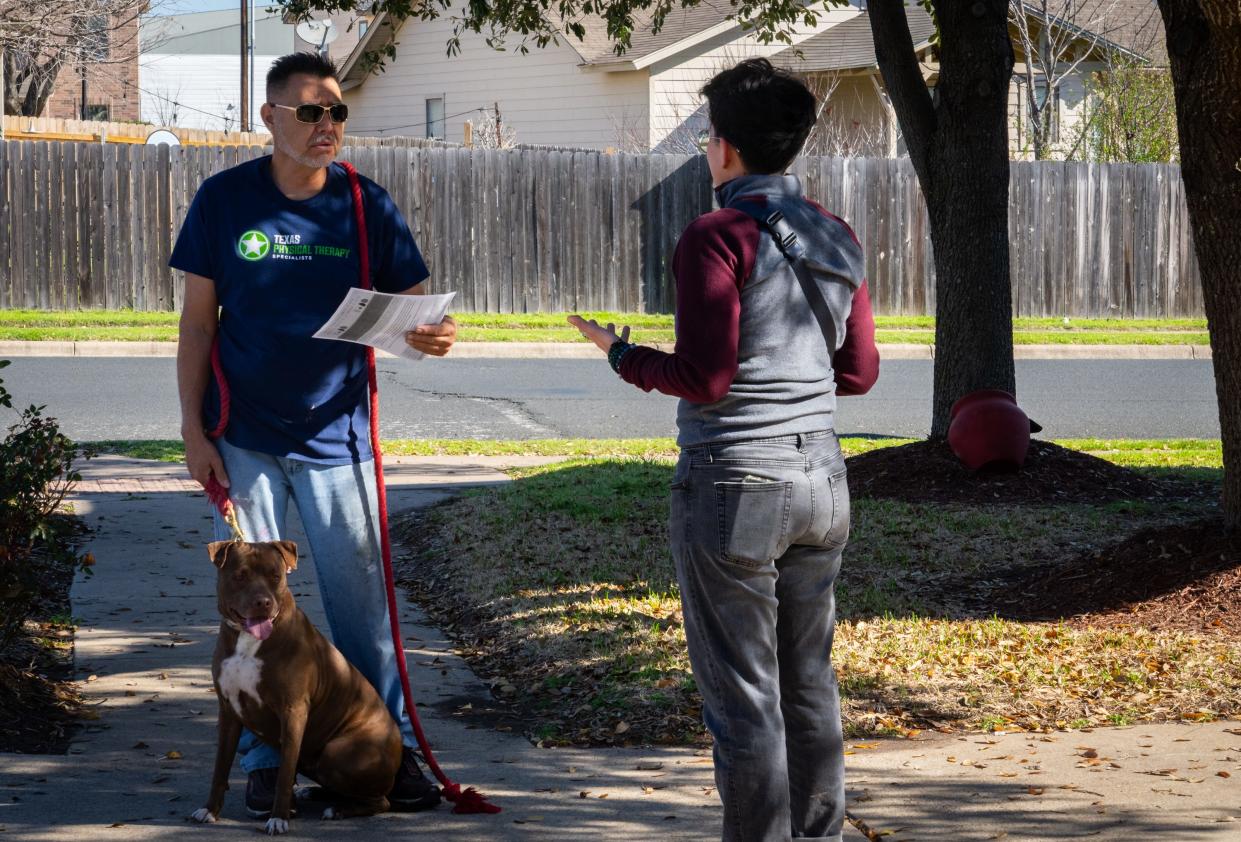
{"points": [[40, 709], [928, 472], [1184, 577]]}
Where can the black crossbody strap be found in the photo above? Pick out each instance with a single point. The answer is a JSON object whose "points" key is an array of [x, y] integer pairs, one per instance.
{"points": [[792, 249]]}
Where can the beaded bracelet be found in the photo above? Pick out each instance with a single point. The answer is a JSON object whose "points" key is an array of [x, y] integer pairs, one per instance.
{"points": [[617, 352]]}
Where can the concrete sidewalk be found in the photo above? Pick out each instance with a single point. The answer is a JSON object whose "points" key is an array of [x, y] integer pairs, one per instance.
{"points": [[583, 350], [147, 628]]}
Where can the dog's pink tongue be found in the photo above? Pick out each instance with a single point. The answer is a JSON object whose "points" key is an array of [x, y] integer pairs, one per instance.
{"points": [[259, 628]]}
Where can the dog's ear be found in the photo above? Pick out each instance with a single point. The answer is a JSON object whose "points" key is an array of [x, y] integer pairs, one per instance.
{"points": [[289, 550], [218, 550]]}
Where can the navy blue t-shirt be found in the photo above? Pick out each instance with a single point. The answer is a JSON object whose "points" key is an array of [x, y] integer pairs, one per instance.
{"points": [[280, 268]]}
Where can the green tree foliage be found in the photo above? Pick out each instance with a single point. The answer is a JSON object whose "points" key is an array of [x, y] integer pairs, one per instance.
{"points": [[1134, 116], [542, 22]]}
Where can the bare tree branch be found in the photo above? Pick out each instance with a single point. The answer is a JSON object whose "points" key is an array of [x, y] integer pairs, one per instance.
{"points": [[38, 38], [1056, 37]]}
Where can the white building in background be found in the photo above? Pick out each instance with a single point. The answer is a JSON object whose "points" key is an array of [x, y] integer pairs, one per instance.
{"points": [[189, 67]]}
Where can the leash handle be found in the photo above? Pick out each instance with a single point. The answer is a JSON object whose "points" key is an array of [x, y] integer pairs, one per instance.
{"points": [[468, 800]]}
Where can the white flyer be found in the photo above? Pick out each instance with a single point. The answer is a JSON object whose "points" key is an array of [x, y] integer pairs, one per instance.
{"points": [[380, 319]]}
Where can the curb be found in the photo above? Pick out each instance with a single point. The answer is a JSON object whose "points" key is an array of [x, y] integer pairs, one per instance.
{"points": [[583, 351]]}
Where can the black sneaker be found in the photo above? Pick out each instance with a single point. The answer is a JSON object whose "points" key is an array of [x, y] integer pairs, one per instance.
{"points": [[261, 793], [412, 791]]}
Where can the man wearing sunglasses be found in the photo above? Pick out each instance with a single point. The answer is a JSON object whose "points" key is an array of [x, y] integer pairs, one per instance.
{"points": [[269, 249]]}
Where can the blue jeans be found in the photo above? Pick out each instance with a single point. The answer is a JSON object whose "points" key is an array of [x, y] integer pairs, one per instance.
{"points": [[757, 529], [339, 509]]}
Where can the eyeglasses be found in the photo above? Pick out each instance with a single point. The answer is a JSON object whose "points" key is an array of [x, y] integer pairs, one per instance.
{"points": [[312, 113], [704, 139]]}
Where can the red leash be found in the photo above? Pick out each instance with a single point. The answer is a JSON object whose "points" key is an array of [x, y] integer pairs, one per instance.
{"points": [[467, 800]]}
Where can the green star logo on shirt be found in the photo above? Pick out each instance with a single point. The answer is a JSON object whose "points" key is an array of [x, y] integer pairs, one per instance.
{"points": [[253, 245]]}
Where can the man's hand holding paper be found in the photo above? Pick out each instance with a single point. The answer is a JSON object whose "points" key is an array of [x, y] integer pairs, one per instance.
{"points": [[403, 325], [433, 339]]}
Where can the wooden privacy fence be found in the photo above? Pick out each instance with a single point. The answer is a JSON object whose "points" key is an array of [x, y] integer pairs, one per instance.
{"points": [[530, 230], [99, 131], [56, 128]]}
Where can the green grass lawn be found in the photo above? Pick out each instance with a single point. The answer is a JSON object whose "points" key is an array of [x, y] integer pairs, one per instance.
{"points": [[572, 604], [1148, 454], [560, 588], [134, 326]]}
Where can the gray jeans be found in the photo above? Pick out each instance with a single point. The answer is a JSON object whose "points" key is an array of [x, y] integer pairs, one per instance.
{"points": [[757, 529]]}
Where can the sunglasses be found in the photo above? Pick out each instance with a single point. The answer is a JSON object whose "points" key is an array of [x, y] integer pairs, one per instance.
{"points": [[313, 112]]}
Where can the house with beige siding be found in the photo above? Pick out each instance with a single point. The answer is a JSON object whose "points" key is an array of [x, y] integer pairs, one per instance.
{"points": [[576, 93], [580, 93]]}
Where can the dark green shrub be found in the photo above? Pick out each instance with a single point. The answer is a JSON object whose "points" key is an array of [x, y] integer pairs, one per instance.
{"points": [[36, 472]]}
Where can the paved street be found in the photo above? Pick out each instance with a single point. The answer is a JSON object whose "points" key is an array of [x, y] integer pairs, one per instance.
{"points": [[108, 398]]}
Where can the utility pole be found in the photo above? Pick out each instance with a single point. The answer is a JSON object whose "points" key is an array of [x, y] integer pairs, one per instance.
{"points": [[245, 65], [250, 54]]}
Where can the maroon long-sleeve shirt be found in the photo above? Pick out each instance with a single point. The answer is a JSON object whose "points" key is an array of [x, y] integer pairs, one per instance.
{"points": [[713, 260]]}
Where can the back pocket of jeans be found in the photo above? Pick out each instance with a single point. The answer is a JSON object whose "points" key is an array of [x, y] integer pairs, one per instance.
{"points": [[753, 519], [832, 516]]}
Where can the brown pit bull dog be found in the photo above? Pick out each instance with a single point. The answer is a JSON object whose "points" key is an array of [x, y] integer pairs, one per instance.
{"points": [[278, 676]]}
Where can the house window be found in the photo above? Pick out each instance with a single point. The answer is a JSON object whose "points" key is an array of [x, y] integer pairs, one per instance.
{"points": [[95, 40], [362, 25], [98, 112], [435, 117]]}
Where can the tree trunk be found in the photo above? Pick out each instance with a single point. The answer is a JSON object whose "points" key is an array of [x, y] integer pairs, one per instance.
{"points": [[1204, 46], [27, 83], [959, 148]]}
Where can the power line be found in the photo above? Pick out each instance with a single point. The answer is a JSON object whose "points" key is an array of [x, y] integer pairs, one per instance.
{"points": [[167, 39], [127, 83], [428, 122], [177, 103]]}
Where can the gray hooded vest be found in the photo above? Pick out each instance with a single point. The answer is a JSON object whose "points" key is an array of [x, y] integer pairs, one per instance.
{"points": [[785, 383]]}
